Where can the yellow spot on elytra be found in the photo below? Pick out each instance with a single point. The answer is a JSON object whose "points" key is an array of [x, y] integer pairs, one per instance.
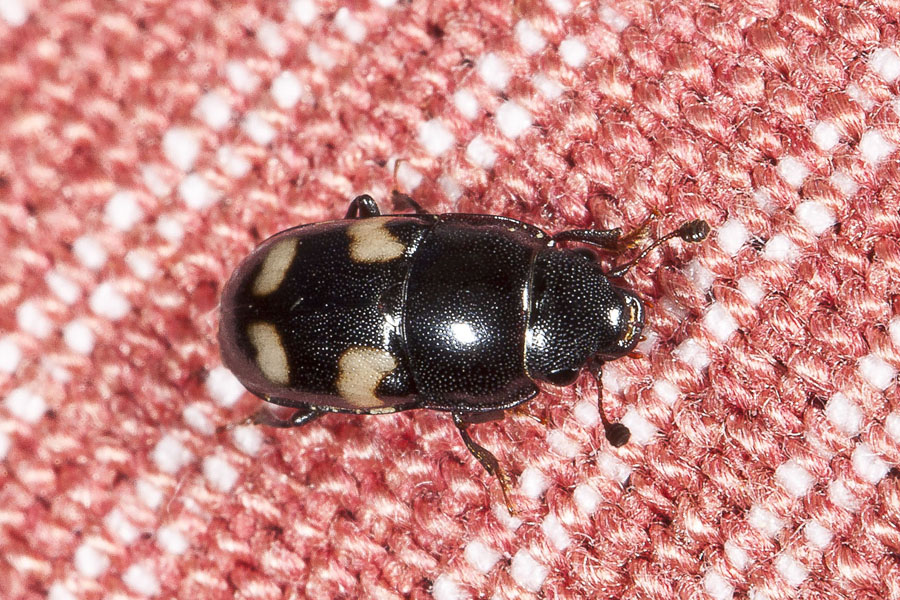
{"points": [[360, 370], [370, 241], [275, 266], [271, 358]]}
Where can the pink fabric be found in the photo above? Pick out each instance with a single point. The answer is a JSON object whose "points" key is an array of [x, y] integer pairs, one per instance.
{"points": [[146, 147]]}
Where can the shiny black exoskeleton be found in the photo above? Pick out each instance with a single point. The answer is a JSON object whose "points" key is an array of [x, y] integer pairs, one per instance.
{"points": [[458, 312]]}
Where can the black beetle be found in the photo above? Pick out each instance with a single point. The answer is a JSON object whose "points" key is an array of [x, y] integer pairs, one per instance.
{"points": [[462, 313]]}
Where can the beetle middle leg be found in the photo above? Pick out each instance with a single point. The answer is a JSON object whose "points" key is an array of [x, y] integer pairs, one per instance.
{"points": [[484, 456], [522, 411], [303, 415], [399, 198]]}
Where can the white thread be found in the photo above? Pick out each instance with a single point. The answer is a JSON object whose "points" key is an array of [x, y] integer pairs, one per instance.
{"points": [[527, 572], [794, 478]]}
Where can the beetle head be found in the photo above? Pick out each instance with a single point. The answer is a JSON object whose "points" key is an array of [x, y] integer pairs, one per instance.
{"points": [[576, 316]]}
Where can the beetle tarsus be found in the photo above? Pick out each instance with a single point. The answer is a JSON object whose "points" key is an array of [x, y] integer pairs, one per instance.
{"points": [[637, 235], [523, 411], [487, 460], [362, 207], [300, 417]]}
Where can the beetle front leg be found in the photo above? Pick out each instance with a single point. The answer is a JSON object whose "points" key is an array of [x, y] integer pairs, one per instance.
{"points": [[608, 239], [300, 417], [487, 460], [362, 207]]}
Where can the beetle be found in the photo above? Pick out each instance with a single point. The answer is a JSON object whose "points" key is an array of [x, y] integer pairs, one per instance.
{"points": [[463, 313]]}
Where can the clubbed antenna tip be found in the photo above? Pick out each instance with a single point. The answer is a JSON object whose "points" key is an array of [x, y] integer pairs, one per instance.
{"points": [[694, 231]]}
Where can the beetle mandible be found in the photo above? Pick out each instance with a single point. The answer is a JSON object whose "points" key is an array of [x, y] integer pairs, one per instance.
{"points": [[463, 313]]}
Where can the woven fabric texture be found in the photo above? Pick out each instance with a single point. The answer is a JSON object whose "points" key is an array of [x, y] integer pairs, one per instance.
{"points": [[146, 147]]}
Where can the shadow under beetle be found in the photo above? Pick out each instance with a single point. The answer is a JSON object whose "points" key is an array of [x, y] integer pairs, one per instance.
{"points": [[463, 313]]}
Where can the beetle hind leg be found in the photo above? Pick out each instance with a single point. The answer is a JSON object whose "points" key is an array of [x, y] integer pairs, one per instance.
{"points": [[362, 207], [487, 460], [300, 417]]}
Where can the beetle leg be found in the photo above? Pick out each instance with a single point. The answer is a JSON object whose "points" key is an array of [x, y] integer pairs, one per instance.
{"points": [[301, 416], [487, 460], [362, 207], [399, 199], [522, 411], [485, 417], [616, 433], [607, 239]]}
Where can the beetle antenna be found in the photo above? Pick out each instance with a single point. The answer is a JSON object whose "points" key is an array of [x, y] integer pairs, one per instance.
{"points": [[691, 231], [616, 433]]}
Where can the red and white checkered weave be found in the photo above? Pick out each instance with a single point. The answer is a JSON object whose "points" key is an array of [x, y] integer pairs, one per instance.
{"points": [[145, 147]]}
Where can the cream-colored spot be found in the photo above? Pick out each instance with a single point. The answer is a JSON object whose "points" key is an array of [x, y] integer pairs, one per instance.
{"points": [[370, 241], [271, 358], [275, 266], [360, 370]]}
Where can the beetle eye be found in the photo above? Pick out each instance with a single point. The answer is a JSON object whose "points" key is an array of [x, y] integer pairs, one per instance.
{"points": [[586, 253], [563, 377]]}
